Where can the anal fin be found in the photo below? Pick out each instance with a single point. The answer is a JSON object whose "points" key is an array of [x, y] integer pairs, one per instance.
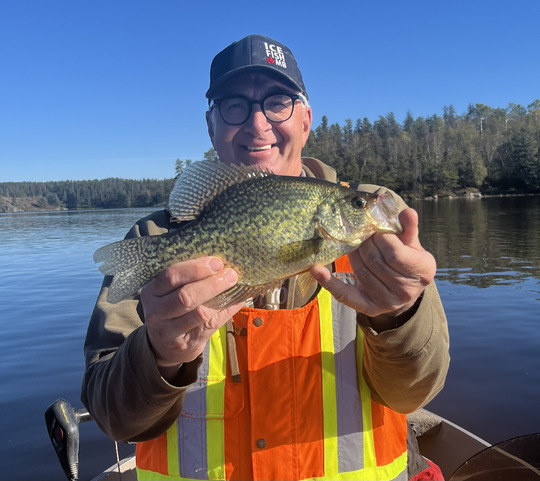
{"points": [[238, 293]]}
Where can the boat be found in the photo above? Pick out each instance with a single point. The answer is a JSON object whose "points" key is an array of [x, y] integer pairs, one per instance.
{"points": [[460, 454]]}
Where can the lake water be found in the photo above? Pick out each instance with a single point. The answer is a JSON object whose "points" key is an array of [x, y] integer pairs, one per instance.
{"points": [[488, 253]]}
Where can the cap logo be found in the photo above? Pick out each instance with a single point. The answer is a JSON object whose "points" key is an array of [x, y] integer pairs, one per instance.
{"points": [[275, 55]]}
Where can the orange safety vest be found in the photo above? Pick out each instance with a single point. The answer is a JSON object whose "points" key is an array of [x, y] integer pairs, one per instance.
{"points": [[302, 410]]}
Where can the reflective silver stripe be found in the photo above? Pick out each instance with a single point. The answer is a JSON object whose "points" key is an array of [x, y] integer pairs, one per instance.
{"points": [[192, 445], [348, 401]]}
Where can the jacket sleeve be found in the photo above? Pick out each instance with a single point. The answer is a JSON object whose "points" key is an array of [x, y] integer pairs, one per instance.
{"points": [[122, 387], [406, 367]]}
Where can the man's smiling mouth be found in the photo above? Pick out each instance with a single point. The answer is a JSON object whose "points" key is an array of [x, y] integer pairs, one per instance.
{"points": [[251, 148]]}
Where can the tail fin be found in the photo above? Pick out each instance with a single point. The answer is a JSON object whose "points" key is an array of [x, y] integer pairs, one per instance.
{"points": [[130, 262]]}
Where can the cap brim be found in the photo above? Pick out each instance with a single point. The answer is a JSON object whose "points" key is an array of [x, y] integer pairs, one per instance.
{"points": [[278, 75]]}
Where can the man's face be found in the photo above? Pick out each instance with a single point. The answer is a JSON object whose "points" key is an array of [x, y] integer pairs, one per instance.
{"points": [[273, 146]]}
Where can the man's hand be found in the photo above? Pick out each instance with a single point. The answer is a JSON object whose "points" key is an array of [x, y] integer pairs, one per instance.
{"points": [[392, 270], [177, 322]]}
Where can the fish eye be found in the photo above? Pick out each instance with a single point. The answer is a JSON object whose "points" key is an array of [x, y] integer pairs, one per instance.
{"points": [[359, 202]]}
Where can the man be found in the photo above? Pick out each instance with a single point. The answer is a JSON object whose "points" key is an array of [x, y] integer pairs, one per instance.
{"points": [[291, 385]]}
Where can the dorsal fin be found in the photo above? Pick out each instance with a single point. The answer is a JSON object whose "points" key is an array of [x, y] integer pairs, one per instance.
{"points": [[202, 181]]}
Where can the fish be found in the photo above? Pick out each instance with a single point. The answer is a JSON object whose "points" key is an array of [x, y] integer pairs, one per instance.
{"points": [[265, 226]]}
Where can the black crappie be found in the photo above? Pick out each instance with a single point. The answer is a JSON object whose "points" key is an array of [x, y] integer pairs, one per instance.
{"points": [[266, 227]]}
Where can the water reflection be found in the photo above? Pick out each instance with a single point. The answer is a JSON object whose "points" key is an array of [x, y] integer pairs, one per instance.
{"points": [[49, 282], [483, 242]]}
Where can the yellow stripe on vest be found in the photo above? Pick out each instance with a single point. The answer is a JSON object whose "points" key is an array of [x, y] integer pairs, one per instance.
{"points": [[329, 387], [215, 401], [172, 451]]}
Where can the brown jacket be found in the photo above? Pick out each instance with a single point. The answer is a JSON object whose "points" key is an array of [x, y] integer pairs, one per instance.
{"points": [[126, 395]]}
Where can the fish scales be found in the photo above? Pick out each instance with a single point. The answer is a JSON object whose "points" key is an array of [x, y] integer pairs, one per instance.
{"points": [[266, 227], [269, 212]]}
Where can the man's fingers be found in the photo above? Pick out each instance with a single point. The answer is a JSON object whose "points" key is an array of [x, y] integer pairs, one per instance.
{"points": [[182, 339], [189, 297], [347, 294], [183, 273], [196, 293]]}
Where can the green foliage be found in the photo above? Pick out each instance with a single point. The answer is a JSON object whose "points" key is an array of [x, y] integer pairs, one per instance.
{"points": [[486, 149], [211, 155], [90, 194]]}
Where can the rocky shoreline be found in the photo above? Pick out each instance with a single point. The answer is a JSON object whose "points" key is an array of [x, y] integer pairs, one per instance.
{"points": [[10, 205]]}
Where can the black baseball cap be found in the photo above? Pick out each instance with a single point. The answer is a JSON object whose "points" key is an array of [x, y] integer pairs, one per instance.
{"points": [[255, 53]]}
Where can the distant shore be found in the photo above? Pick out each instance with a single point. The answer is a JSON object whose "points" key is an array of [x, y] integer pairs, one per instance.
{"points": [[10, 205], [19, 205]]}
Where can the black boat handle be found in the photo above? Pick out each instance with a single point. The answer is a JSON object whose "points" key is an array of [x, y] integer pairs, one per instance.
{"points": [[62, 422]]}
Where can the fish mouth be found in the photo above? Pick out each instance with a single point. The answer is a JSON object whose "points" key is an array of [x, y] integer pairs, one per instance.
{"points": [[385, 211]]}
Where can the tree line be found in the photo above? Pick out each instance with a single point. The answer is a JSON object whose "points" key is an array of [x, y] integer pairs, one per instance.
{"points": [[89, 194], [487, 150], [490, 150]]}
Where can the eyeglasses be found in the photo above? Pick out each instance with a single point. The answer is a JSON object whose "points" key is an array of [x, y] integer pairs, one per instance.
{"points": [[276, 108]]}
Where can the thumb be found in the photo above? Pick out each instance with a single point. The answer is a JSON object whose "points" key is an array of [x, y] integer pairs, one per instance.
{"points": [[409, 221]]}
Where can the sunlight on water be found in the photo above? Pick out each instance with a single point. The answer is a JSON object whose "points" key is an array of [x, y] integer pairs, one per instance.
{"points": [[502, 277]]}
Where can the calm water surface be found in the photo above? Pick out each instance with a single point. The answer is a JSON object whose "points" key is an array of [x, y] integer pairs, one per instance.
{"points": [[488, 254]]}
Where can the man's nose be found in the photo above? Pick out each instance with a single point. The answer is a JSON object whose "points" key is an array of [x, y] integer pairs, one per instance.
{"points": [[257, 121]]}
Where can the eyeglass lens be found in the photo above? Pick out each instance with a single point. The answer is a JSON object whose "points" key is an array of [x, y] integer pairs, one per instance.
{"points": [[276, 108]]}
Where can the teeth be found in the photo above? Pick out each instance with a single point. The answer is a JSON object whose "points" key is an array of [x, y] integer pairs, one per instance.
{"points": [[258, 149]]}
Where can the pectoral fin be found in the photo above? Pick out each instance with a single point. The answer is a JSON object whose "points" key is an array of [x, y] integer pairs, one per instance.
{"points": [[305, 282]]}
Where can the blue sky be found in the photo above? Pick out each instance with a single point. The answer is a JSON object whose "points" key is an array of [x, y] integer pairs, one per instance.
{"points": [[115, 88]]}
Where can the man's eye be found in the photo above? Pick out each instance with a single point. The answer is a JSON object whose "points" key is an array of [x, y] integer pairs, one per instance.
{"points": [[233, 104], [278, 102]]}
